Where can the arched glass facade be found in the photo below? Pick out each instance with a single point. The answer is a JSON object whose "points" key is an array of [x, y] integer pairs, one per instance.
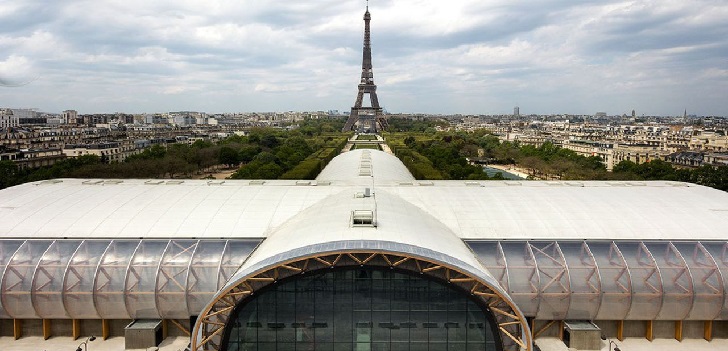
{"points": [[115, 279], [358, 309], [611, 280]]}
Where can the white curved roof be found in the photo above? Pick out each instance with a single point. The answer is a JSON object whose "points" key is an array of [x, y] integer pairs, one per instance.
{"points": [[574, 210], [352, 166], [395, 220], [77, 208]]}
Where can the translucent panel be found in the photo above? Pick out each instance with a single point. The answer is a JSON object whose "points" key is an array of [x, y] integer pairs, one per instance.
{"points": [[522, 276], [235, 254], [584, 280], [18, 279], [141, 279], [646, 282], [554, 292], [490, 254], [78, 283], [7, 250], [111, 277], [676, 281], [719, 251], [48, 279], [172, 278], [203, 275], [616, 284], [707, 284]]}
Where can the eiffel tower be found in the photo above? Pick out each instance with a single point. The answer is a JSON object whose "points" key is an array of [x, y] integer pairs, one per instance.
{"points": [[369, 119]]}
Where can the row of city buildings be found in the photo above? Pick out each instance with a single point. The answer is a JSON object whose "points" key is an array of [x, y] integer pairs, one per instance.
{"points": [[34, 139], [15, 117], [682, 141]]}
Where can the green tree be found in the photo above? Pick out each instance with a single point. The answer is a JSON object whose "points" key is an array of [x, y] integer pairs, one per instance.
{"points": [[229, 156]]}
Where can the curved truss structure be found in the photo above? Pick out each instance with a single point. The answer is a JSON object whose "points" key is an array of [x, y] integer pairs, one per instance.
{"points": [[212, 322]]}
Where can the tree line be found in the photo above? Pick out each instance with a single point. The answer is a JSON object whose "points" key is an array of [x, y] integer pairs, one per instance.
{"points": [[443, 155], [264, 153]]}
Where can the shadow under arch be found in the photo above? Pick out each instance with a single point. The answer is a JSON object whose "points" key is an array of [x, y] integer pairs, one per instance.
{"points": [[213, 320]]}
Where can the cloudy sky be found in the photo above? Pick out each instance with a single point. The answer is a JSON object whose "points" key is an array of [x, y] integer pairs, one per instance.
{"points": [[459, 56]]}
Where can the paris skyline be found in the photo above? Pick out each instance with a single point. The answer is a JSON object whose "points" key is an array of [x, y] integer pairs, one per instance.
{"points": [[479, 57]]}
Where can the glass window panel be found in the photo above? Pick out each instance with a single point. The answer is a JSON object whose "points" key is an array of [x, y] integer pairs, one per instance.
{"points": [[111, 277], [583, 279], [615, 282], [7, 250], [522, 276], [490, 254], [676, 281], [305, 313], [719, 252], [203, 274], [646, 282], [47, 287], [78, 284], [141, 279], [555, 292], [171, 285], [17, 280], [236, 252], [707, 282]]}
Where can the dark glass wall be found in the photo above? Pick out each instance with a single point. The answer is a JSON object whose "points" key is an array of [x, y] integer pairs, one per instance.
{"points": [[360, 309]]}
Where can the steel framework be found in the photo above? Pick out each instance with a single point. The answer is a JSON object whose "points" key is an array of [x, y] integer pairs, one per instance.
{"points": [[212, 322], [369, 116]]}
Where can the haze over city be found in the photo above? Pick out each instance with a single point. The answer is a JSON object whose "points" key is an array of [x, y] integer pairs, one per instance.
{"points": [[468, 56]]}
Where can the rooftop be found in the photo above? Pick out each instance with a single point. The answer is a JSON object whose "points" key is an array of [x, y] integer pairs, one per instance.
{"points": [[94, 208]]}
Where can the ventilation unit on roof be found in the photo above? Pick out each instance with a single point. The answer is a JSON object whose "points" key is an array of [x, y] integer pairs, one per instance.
{"points": [[50, 181], [362, 218], [92, 182]]}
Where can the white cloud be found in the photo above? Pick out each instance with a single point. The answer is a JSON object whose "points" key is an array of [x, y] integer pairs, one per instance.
{"points": [[466, 56]]}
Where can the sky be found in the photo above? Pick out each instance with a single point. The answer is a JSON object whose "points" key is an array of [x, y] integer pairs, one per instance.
{"points": [[459, 56]]}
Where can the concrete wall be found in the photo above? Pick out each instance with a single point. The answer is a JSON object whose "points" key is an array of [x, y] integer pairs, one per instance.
{"points": [[634, 329], [6, 327], [32, 327]]}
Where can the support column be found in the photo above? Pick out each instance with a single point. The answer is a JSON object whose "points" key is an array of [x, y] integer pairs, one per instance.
{"points": [[104, 329], [708, 330], [561, 330], [17, 328], [532, 323], [620, 330], [678, 330], [46, 329], [650, 331], [165, 330], [76, 329]]}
